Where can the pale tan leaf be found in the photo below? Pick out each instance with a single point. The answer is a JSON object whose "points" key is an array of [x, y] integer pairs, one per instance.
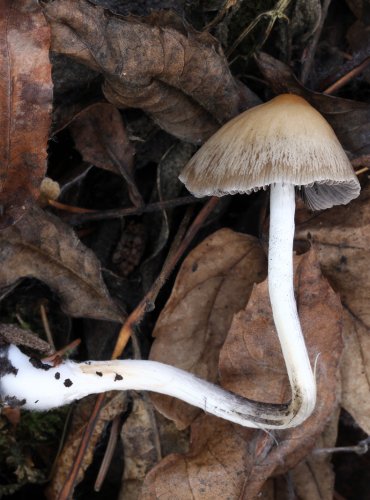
{"points": [[342, 238], [214, 282], [227, 461]]}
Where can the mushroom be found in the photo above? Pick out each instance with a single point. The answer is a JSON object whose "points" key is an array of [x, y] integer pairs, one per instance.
{"points": [[286, 144], [32, 384]]}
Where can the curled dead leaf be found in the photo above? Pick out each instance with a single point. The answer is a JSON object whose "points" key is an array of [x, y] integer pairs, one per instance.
{"points": [[214, 282], [101, 138], [43, 247], [178, 76]]}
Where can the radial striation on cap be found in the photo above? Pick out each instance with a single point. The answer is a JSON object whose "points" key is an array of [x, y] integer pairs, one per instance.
{"points": [[282, 141]]}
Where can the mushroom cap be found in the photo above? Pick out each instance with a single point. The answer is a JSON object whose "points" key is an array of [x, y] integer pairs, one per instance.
{"points": [[282, 141]]}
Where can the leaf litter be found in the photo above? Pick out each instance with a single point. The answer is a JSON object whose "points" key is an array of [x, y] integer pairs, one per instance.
{"points": [[226, 461], [181, 78]]}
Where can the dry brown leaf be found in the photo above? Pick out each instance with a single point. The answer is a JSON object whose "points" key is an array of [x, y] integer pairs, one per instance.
{"points": [[227, 461], [214, 282], [43, 247], [178, 76], [114, 405], [101, 138], [342, 237], [141, 447], [25, 105], [311, 479], [146, 436]]}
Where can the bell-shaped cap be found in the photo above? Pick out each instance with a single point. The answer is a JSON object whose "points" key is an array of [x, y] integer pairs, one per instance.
{"points": [[284, 140]]}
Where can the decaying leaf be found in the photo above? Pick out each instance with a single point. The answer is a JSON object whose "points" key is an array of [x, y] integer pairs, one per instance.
{"points": [[114, 405], [214, 282], [311, 479], [25, 105], [146, 437], [350, 119], [154, 64], [101, 138], [342, 237], [141, 447], [43, 247], [227, 461]]}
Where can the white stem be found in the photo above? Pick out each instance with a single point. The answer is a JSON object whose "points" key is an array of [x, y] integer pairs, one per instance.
{"points": [[44, 387], [284, 308]]}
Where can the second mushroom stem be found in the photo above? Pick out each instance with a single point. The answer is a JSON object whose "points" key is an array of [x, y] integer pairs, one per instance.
{"points": [[283, 303]]}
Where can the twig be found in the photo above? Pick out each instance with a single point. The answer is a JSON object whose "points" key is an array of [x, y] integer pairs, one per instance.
{"points": [[68, 486], [45, 323], [360, 448], [276, 13], [362, 170], [147, 303], [347, 77], [220, 14], [311, 51], [108, 455], [124, 335], [69, 208], [124, 212]]}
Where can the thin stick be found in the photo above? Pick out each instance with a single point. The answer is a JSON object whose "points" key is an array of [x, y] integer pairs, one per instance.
{"points": [[311, 51], [69, 208], [362, 171], [124, 335], [124, 212], [360, 448], [220, 14], [147, 303], [347, 77], [68, 486], [108, 455], [276, 13], [45, 323]]}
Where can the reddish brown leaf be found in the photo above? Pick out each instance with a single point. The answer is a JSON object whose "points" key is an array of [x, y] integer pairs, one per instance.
{"points": [[178, 76], [101, 138], [227, 461], [42, 246], [342, 237], [25, 105], [214, 282]]}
